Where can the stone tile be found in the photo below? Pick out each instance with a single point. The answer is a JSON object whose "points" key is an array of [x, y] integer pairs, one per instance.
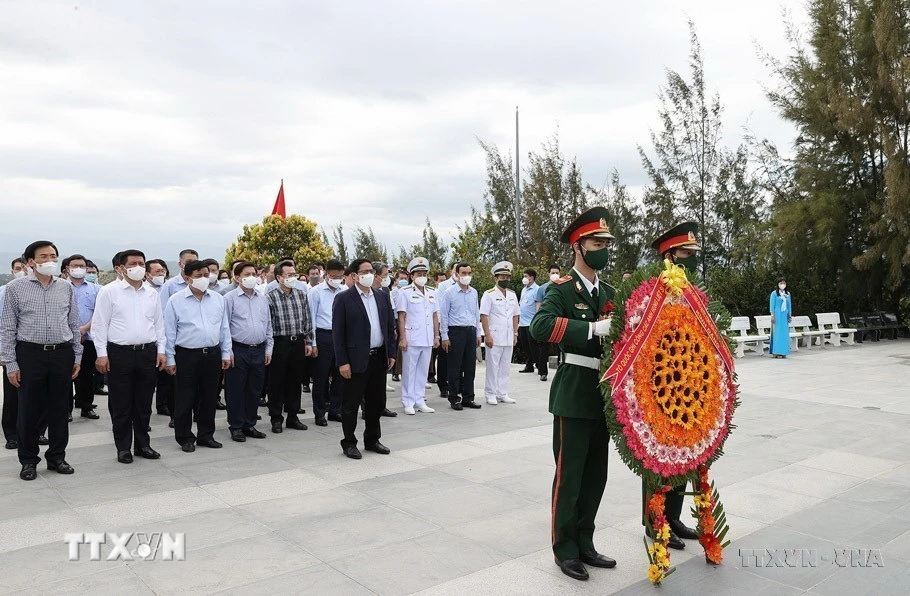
{"points": [[151, 507], [395, 488], [225, 566], [461, 505], [851, 463], [762, 503], [118, 580], [266, 486], [34, 502], [34, 568], [444, 453], [491, 467], [534, 486], [233, 469], [511, 440], [865, 580], [516, 532], [204, 529], [23, 532], [317, 579], [778, 537], [373, 465], [808, 481], [318, 506], [156, 480], [876, 495], [346, 536], [832, 520], [899, 547]]}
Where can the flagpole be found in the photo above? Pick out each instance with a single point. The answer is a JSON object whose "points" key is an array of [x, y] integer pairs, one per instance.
{"points": [[517, 192]]}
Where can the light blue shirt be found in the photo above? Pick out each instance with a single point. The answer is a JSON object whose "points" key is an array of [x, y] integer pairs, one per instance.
{"points": [[171, 287], [320, 298], [249, 318], [86, 294], [369, 301], [528, 305], [459, 308], [193, 323], [542, 292]]}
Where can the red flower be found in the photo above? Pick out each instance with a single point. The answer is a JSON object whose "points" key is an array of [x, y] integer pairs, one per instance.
{"points": [[608, 307]]}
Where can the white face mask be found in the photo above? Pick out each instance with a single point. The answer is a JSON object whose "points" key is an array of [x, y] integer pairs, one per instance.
{"points": [[554, 276], [213, 277], [525, 281], [333, 283], [19, 274], [136, 273], [49, 268], [249, 282], [201, 283], [386, 282], [366, 279], [290, 282], [420, 281], [465, 280], [77, 272], [158, 280]]}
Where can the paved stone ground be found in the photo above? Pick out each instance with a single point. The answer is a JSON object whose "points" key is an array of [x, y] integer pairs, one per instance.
{"points": [[821, 459]]}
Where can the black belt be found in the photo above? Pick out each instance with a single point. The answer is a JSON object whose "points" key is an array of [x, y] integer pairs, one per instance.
{"points": [[237, 344], [377, 351], [290, 338], [200, 350], [46, 347], [134, 348], [462, 326], [324, 330]]}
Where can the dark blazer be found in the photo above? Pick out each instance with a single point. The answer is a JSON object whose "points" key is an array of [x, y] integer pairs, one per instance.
{"points": [[351, 328]]}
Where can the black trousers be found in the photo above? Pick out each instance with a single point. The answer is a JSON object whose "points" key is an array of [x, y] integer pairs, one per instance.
{"points": [[368, 387], [535, 351], [45, 388], [11, 411], [84, 385], [164, 391], [673, 502], [439, 368], [285, 376], [462, 363], [131, 383], [242, 386], [326, 378], [197, 386]]}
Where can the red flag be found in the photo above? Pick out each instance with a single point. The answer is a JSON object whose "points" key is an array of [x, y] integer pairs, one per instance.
{"points": [[278, 209]]}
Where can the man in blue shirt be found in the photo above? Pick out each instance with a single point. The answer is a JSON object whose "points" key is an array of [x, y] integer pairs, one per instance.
{"points": [[459, 328], [326, 378], [179, 281], [251, 335], [84, 385], [198, 347], [553, 272], [534, 352]]}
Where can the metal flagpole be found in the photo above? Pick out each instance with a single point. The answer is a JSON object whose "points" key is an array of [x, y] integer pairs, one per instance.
{"points": [[517, 192]]}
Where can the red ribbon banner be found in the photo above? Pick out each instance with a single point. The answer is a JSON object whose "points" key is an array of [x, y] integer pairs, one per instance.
{"points": [[707, 323], [623, 360]]}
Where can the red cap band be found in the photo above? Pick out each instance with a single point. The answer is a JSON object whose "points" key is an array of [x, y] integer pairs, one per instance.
{"points": [[584, 230], [676, 241]]}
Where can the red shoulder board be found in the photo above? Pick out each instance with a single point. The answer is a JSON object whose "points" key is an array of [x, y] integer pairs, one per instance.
{"points": [[563, 280]]}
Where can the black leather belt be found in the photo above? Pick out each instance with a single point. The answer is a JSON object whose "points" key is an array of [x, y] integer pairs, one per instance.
{"points": [[237, 344], [200, 350], [46, 347], [134, 348], [376, 351], [290, 338]]}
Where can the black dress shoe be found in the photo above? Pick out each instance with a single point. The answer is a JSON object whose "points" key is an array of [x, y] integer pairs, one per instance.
{"points": [[148, 428], [12, 444], [457, 406], [543, 377], [262, 402], [396, 378], [306, 388], [42, 440], [277, 428], [61, 467], [237, 435], [90, 414], [379, 448], [353, 452], [526, 370], [210, 443], [147, 453], [682, 530], [164, 411], [188, 447], [254, 433], [29, 472], [124, 457], [595, 559], [432, 380], [171, 423], [335, 417], [220, 405], [574, 568], [296, 425], [444, 393], [320, 421], [100, 392], [389, 413], [258, 417], [471, 404], [674, 542], [69, 417]]}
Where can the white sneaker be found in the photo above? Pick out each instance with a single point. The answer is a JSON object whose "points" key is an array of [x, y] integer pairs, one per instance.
{"points": [[427, 386], [507, 400], [492, 402], [409, 411], [425, 409], [389, 388]]}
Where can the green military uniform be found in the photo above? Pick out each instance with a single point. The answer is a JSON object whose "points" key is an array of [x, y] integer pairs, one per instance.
{"points": [[580, 436], [679, 236]]}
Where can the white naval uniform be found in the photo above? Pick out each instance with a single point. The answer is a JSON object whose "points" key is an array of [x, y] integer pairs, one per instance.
{"points": [[420, 309], [501, 310]]}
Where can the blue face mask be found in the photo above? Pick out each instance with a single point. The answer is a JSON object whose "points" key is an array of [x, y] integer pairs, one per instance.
{"points": [[402, 283], [91, 277]]}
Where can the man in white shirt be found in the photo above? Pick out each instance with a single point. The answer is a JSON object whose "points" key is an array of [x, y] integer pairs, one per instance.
{"points": [[499, 313], [128, 332], [326, 378]]}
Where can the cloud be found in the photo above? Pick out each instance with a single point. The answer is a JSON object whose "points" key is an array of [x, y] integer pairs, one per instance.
{"points": [[165, 125]]}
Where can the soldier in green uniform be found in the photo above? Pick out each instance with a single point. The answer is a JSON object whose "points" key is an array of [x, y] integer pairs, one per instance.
{"points": [[570, 316], [680, 246]]}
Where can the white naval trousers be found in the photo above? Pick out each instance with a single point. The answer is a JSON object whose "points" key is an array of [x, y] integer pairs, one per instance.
{"points": [[414, 373], [499, 359]]}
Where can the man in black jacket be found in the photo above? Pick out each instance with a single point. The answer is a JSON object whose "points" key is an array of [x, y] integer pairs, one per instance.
{"points": [[362, 334]]}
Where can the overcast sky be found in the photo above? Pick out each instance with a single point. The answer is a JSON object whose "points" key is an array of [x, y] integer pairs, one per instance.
{"points": [[160, 125]]}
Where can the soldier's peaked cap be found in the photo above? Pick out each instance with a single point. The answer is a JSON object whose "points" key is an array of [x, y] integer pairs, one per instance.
{"points": [[682, 235], [590, 224]]}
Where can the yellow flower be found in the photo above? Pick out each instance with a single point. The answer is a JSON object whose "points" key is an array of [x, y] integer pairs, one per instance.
{"points": [[664, 533], [651, 550], [674, 277], [655, 574], [702, 501], [660, 550]]}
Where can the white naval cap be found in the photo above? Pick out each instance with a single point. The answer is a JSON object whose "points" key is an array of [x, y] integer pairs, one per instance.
{"points": [[502, 267], [418, 264]]}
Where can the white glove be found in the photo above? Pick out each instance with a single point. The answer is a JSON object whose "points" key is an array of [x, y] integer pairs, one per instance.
{"points": [[601, 328]]}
